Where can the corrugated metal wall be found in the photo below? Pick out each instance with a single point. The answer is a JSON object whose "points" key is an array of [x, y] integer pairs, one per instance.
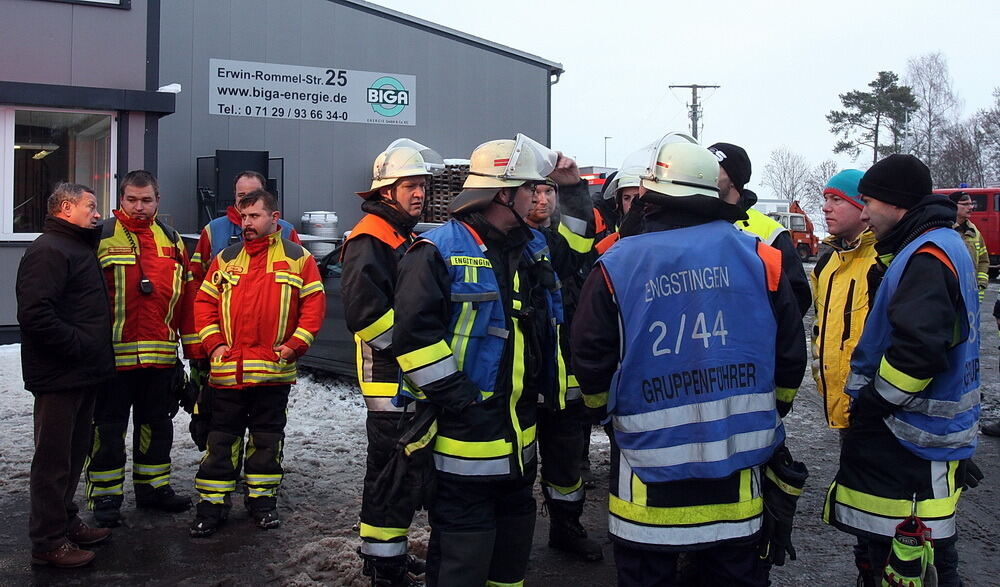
{"points": [[465, 95]]}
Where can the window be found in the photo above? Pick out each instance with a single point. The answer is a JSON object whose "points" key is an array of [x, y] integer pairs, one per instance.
{"points": [[981, 204], [798, 222], [44, 147]]}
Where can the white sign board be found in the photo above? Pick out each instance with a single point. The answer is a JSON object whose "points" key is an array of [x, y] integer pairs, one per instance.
{"points": [[295, 92]]}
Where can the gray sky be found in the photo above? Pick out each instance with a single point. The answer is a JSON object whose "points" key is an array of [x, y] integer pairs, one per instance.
{"points": [[781, 65]]}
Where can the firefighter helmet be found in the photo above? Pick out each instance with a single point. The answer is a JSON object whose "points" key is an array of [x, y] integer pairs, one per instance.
{"points": [[678, 166], [402, 158], [499, 164]]}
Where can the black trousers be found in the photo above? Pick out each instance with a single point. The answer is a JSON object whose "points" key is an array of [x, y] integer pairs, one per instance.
{"points": [[384, 524], [561, 442], [145, 395], [261, 410], [62, 434], [731, 563]]}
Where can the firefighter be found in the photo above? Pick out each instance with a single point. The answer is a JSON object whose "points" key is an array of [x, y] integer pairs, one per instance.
{"points": [[914, 374], [734, 173], [218, 234], [973, 239], [563, 428], [624, 188], [257, 312], [477, 304], [370, 256], [696, 332], [144, 264]]}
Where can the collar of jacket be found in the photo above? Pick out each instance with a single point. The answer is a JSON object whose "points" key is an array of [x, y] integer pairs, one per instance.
{"points": [[839, 244], [234, 216], [133, 224], [932, 211], [261, 245], [401, 221], [495, 239], [90, 237]]}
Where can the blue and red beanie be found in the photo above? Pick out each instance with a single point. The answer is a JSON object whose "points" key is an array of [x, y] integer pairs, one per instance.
{"points": [[845, 185]]}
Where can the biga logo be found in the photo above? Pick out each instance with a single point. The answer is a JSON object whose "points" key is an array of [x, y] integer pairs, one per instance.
{"points": [[387, 96]]}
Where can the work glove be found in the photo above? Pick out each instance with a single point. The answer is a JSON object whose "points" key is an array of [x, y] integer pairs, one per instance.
{"points": [[201, 418], [911, 559], [782, 485], [195, 382], [178, 388], [973, 474]]}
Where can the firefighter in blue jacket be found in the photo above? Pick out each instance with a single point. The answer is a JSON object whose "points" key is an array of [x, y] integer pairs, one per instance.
{"points": [[477, 308], [914, 374], [694, 329]]}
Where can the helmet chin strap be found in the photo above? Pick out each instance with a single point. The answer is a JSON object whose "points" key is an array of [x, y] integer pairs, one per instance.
{"points": [[510, 206]]}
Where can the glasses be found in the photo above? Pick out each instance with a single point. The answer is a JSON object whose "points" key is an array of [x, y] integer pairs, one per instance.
{"points": [[970, 204]]}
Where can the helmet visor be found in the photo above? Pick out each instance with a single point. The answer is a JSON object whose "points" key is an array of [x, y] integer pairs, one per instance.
{"points": [[530, 160], [649, 170], [432, 161]]}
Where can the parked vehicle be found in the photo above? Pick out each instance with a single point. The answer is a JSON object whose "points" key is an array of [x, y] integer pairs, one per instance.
{"points": [[801, 228], [986, 217]]}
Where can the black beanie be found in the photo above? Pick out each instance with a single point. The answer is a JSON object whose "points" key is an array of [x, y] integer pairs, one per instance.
{"points": [[900, 180], [735, 161]]}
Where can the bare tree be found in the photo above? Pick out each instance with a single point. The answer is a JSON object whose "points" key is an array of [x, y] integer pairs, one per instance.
{"points": [[786, 173], [988, 122], [812, 199], [931, 83], [964, 155]]}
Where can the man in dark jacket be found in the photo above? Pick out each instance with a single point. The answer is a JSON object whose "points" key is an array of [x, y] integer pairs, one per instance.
{"points": [[66, 356]]}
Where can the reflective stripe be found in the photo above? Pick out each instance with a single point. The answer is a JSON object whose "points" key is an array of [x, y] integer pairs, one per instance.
{"points": [[288, 278], [789, 489], [595, 400], [379, 389], [883, 526], [209, 288], [214, 485], [110, 475], [213, 497], [209, 331], [258, 479], [188, 339], [382, 341], [96, 490], [682, 535], [891, 394], [577, 225], [475, 297], [939, 479], [424, 356], [573, 496], [686, 515], [304, 335], [150, 469], [381, 325], [910, 433], [383, 549], [154, 482], [573, 393], [942, 408], [857, 380], [700, 452], [499, 584], [695, 413], [897, 508], [579, 244], [383, 534], [265, 491], [499, 332], [311, 289], [785, 394], [434, 372], [479, 467], [382, 404], [901, 380]]}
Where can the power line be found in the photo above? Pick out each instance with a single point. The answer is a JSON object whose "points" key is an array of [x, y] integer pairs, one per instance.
{"points": [[694, 106]]}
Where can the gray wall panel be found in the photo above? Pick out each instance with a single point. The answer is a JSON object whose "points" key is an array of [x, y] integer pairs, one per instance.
{"points": [[10, 257], [465, 95], [65, 44]]}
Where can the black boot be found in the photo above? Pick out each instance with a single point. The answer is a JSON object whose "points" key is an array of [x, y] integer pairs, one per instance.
{"points": [[568, 535], [390, 571], [107, 510], [264, 511], [162, 498], [208, 518]]}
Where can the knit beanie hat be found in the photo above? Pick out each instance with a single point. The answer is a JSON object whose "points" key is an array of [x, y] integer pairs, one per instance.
{"points": [[844, 185], [900, 180], [735, 161]]}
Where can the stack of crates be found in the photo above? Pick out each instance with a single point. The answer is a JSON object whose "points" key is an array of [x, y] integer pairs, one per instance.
{"points": [[444, 188]]}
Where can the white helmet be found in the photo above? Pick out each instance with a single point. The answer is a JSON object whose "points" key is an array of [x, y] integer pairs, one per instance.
{"points": [[629, 175], [402, 158], [678, 166], [498, 164]]}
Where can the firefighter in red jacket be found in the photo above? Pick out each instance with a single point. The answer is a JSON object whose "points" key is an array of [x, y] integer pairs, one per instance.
{"points": [[143, 261], [393, 205], [257, 311]]}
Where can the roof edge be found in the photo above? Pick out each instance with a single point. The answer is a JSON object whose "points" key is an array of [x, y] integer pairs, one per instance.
{"points": [[553, 67]]}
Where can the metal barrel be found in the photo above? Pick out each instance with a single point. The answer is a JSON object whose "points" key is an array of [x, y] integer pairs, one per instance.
{"points": [[322, 223]]}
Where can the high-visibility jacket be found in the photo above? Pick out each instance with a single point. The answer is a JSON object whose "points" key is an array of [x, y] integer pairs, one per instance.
{"points": [[841, 297], [258, 295], [145, 325], [218, 234], [977, 250], [694, 393], [937, 418], [761, 225], [367, 287], [493, 437]]}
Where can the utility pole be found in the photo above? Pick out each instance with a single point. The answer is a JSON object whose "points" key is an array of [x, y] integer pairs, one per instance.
{"points": [[606, 150], [694, 105]]}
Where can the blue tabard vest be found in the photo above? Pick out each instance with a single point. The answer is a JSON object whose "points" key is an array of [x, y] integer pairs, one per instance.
{"points": [[693, 396], [223, 233], [940, 423], [478, 329]]}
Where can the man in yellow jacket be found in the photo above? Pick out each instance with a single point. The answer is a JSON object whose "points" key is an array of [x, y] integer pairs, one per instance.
{"points": [[841, 296], [973, 239]]}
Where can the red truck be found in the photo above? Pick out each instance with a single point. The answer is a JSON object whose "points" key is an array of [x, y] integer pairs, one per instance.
{"points": [[986, 217], [801, 229]]}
